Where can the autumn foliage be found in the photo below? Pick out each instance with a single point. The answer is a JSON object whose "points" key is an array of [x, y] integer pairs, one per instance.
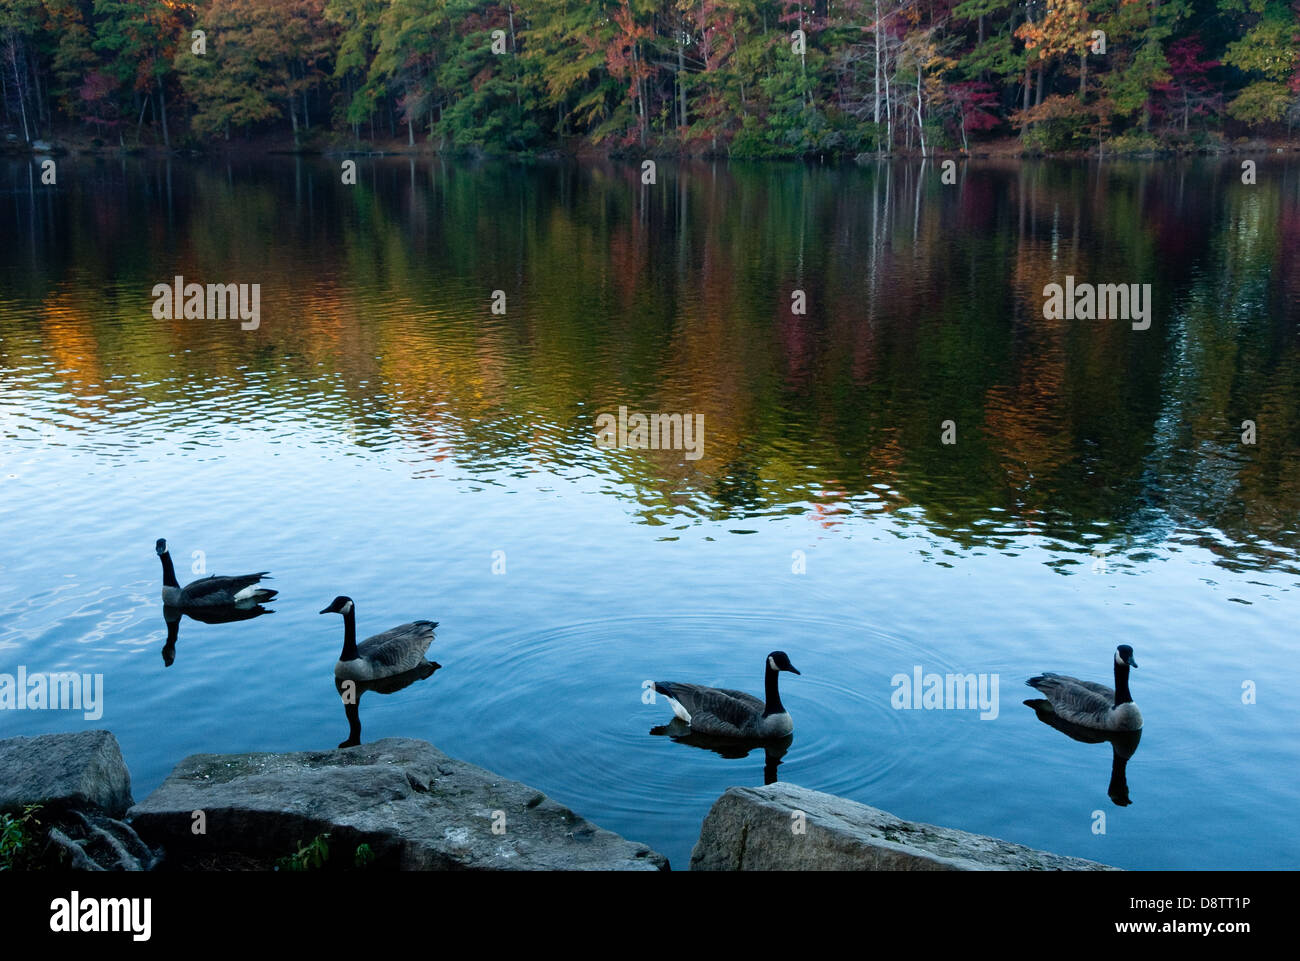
{"points": [[747, 78]]}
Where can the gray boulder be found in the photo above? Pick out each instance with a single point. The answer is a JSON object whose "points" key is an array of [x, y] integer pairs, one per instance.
{"points": [[755, 829], [416, 808], [82, 771]]}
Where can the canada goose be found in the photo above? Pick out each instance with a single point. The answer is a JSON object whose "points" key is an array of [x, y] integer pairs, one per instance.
{"points": [[726, 713], [1093, 705], [1123, 746], [212, 591], [392, 652]]}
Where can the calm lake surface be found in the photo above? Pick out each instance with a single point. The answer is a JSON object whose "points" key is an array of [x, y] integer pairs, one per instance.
{"points": [[383, 434]]}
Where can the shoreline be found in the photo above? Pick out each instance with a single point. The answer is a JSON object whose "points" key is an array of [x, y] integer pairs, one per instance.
{"points": [[77, 145], [400, 804]]}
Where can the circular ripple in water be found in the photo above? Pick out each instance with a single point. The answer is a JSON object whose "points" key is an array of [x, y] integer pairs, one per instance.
{"points": [[562, 708]]}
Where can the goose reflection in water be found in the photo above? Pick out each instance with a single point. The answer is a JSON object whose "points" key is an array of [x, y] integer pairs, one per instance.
{"points": [[350, 693], [214, 615], [1123, 746], [729, 747]]}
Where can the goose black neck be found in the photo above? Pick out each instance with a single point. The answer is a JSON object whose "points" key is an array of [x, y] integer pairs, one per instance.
{"points": [[349, 636], [1122, 695], [169, 572], [773, 696]]}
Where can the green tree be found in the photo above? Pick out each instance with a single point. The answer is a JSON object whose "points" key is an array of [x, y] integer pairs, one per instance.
{"points": [[263, 61], [1267, 54], [140, 38]]}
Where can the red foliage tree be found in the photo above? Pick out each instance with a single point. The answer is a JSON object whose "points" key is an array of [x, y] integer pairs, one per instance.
{"points": [[1189, 92], [972, 104]]}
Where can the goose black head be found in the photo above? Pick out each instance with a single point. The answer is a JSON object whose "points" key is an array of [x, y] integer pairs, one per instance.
{"points": [[778, 661], [160, 546], [340, 605], [1124, 655]]}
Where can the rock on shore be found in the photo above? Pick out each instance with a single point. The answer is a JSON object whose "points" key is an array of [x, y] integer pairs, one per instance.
{"points": [[414, 806], [83, 787], [83, 770], [756, 829]]}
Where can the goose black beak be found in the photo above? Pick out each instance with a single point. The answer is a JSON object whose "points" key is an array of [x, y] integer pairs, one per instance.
{"points": [[794, 670], [1132, 663], [326, 611]]}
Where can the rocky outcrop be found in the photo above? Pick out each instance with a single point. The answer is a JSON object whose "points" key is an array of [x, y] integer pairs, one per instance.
{"points": [[413, 806], [783, 827], [80, 771], [404, 804], [82, 787]]}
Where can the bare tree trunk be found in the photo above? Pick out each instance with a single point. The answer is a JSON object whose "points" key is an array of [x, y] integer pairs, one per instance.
{"points": [[875, 107], [640, 91], [920, 119], [803, 60], [681, 69], [162, 111], [139, 121], [18, 82], [889, 107]]}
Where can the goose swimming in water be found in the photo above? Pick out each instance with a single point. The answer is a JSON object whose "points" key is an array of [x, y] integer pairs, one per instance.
{"points": [[213, 591], [725, 713], [1123, 745], [392, 652], [1093, 705]]}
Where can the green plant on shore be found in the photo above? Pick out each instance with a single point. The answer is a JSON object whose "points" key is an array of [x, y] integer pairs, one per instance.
{"points": [[18, 836], [313, 855], [309, 857]]}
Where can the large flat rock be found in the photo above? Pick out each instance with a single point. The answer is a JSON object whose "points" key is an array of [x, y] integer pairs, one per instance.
{"points": [[757, 829], [416, 807], [83, 770]]}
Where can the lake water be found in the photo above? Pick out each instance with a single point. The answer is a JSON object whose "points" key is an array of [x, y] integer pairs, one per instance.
{"points": [[383, 434]]}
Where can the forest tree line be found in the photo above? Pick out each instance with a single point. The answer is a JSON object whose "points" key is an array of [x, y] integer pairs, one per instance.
{"points": [[746, 78]]}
